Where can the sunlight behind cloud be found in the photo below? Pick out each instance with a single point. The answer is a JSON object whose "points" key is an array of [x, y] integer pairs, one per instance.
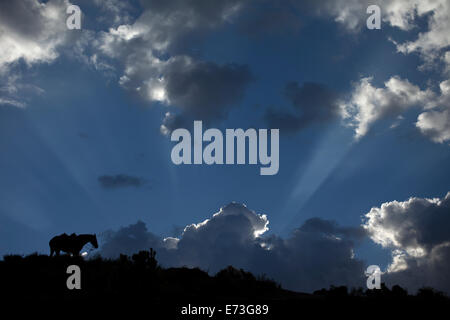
{"points": [[326, 157]]}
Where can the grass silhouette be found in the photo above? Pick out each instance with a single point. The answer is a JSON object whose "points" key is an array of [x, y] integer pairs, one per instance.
{"points": [[139, 281]]}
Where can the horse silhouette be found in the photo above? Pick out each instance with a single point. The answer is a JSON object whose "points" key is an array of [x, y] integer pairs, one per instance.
{"points": [[71, 244]]}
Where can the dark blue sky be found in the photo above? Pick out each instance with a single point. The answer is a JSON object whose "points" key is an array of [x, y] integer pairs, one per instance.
{"points": [[79, 122]]}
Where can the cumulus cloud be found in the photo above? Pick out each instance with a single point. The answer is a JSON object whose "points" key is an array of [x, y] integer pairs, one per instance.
{"points": [[120, 181], [352, 15], [154, 68], [436, 123], [433, 43], [312, 103], [367, 103], [31, 30], [416, 230], [397, 13], [317, 254]]}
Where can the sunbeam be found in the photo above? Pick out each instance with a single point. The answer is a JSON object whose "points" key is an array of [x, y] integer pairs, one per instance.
{"points": [[328, 153]]}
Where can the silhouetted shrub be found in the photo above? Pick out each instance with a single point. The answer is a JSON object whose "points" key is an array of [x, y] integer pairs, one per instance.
{"points": [[139, 278], [399, 291], [429, 293]]}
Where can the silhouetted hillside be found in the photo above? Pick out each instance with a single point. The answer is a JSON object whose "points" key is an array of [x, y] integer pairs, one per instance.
{"points": [[139, 282]]}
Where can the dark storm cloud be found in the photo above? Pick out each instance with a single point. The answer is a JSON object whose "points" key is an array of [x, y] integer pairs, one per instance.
{"points": [[316, 255], [314, 258], [120, 181], [312, 103], [332, 228], [128, 240], [206, 90]]}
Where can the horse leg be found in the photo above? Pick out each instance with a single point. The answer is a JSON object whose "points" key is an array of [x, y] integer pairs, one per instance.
{"points": [[51, 252]]}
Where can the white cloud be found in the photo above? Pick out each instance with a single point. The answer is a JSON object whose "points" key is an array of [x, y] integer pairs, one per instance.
{"points": [[31, 30], [446, 59], [400, 13], [352, 13], [416, 230], [368, 104], [14, 92], [430, 43], [258, 223], [436, 123], [403, 14], [11, 102], [397, 13], [153, 67]]}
